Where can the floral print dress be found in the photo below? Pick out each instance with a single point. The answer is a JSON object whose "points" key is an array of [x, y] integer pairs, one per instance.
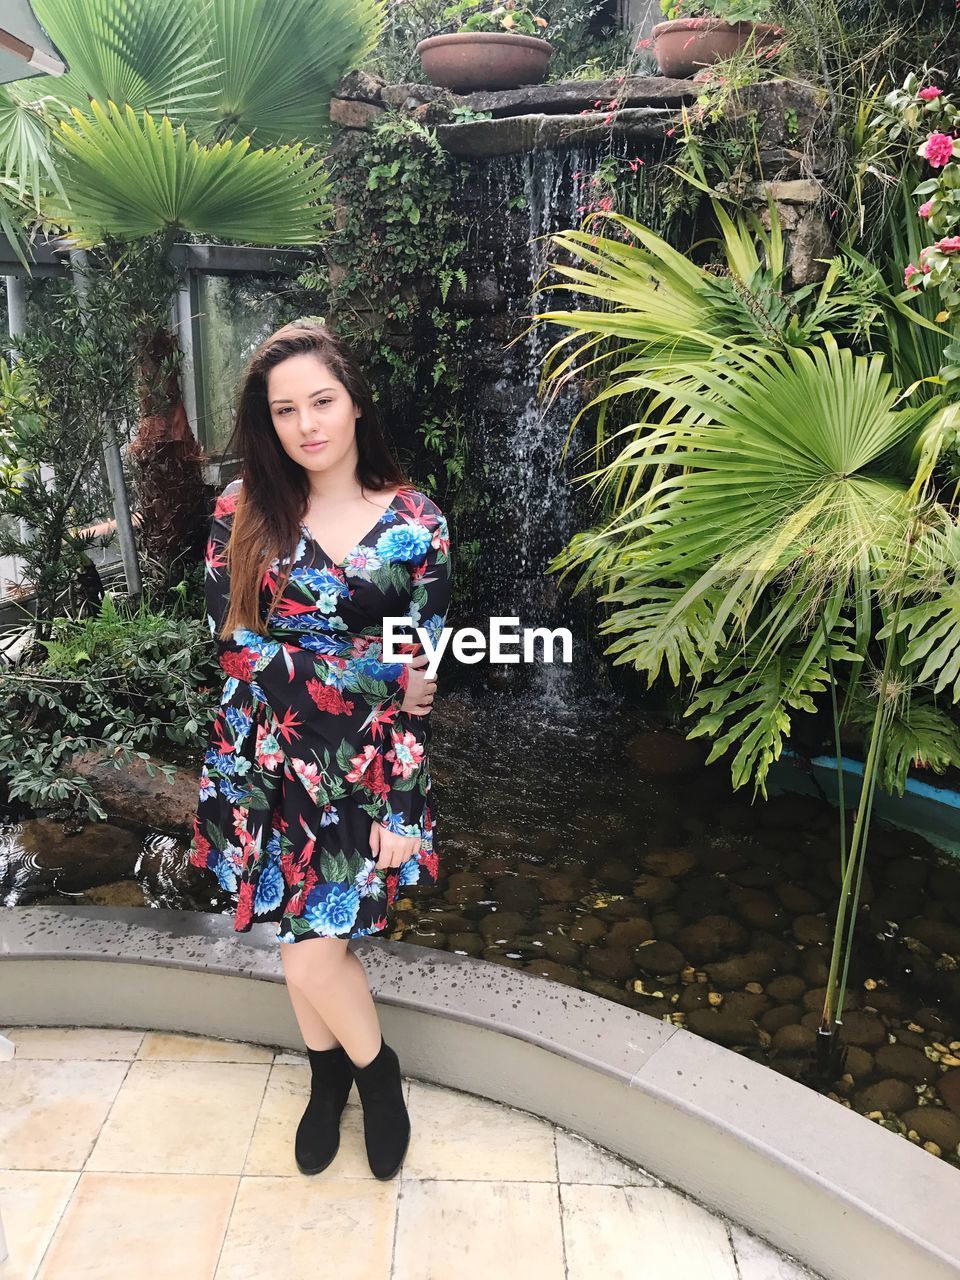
{"points": [[309, 746]]}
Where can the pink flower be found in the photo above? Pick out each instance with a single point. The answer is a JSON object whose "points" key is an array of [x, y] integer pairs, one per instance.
{"points": [[908, 274], [938, 149], [949, 244], [930, 93], [925, 209]]}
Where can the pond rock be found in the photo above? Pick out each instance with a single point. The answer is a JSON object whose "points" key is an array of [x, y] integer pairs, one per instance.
{"points": [[935, 1124], [723, 1028], [747, 1004], [885, 1095], [588, 929], [858, 1062], [783, 1015], [694, 996], [563, 886], [100, 853], [560, 949], [653, 890], [798, 899], [939, 935], [863, 1029], [130, 793], [815, 965], [501, 926], [610, 962], [629, 933], [468, 943], [669, 862], [710, 938], [948, 1087], [658, 957], [787, 986], [544, 968], [516, 893], [907, 1063], [616, 874], [666, 924], [794, 1038], [752, 966], [122, 893], [810, 929]]}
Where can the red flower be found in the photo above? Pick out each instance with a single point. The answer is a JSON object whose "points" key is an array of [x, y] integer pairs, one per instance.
{"points": [[930, 93], [329, 699], [239, 664], [244, 906]]}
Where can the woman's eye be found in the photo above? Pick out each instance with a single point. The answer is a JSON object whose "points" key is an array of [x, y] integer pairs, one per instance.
{"points": [[282, 411]]}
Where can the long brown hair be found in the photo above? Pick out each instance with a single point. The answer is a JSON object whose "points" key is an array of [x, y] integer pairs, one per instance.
{"points": [[275, 491]]}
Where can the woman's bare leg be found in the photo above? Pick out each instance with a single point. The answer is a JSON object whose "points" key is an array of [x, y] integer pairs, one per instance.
{"points": [[331, 998]]}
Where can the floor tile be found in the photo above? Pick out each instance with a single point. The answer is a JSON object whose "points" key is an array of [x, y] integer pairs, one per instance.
{"points": [[163, 1046], [579, 1160], [147, 1226], [66, 1043], [31, 1204], [321, 1227], [626, 1233], [53, 1111], [181, 1117], [475, 1230], [457, 1135], [758, 1260]]}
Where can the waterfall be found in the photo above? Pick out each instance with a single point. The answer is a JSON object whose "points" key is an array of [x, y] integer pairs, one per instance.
{"points": [[519, 437]]}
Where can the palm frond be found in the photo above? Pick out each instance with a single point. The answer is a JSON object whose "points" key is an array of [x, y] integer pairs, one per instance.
{"points": [[133, 177]]}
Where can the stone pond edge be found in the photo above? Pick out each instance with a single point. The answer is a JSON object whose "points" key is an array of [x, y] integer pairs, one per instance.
{"points": [[836, 1191]]}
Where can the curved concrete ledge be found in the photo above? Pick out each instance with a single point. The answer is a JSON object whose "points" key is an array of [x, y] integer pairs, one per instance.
{"points": [[846, 1197]]}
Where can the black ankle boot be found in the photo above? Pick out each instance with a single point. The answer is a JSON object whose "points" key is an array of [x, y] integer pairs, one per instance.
{"points": [[318, 1134], [386, 1124]]}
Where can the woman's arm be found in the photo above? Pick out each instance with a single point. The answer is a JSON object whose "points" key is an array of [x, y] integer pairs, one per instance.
{"points": [[406, 755]]}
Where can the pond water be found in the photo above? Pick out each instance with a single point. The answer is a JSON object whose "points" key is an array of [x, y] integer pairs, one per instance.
{"points": [[595, 850]]}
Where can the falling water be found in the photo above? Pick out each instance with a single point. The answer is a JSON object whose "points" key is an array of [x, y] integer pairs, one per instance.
{"points": [[536, 504]]}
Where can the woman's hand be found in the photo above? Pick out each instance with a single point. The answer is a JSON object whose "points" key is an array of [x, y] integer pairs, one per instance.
{"points": [[418, 699], [390, 849]]}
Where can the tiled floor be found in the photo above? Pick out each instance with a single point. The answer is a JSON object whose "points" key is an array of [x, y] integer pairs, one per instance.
{"points": [[130, 1154]]}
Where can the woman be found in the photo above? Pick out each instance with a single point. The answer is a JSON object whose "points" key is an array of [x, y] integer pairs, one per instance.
{"points": [[315, 790]]}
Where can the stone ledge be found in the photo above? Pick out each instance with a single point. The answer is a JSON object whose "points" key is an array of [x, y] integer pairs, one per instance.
{"points": [[820, 1182], [560, 96], [513, 134]]}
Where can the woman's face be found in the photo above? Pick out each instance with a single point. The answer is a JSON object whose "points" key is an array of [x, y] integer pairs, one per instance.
{"points": [[307, 405]]}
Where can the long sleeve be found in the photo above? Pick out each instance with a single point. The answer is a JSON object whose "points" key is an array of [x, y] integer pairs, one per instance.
{"points": [[407, 754], [281, 674]]}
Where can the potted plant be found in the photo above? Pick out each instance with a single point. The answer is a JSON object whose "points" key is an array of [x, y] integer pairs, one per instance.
{"points": [[698, 33], [489, 48]]}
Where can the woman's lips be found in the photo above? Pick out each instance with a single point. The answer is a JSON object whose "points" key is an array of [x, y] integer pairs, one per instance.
{"points": [[314, 445]]}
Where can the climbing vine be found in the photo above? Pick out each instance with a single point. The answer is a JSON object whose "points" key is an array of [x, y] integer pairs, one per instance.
{"points": [[392, 270]]}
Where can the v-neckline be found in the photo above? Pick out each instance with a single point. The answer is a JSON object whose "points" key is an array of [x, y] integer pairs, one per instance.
{"points": [[339, 564]]}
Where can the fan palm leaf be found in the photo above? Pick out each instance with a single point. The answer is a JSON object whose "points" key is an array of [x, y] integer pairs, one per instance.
{"points": [[280, 61], [152, 57], [134, 177]]}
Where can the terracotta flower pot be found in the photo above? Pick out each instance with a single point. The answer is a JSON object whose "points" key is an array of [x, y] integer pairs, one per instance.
{"points": [[685, 45], [470, 60]]}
